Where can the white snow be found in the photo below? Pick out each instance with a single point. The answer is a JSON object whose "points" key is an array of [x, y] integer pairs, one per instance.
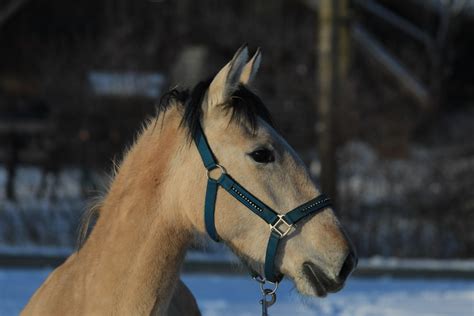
{"points": [[379, 262], [239, 295]]}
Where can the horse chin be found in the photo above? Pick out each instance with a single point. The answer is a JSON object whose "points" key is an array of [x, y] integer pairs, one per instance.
{"points": [[317, 283]]}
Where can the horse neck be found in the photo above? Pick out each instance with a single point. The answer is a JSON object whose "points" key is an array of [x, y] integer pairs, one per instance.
{"points": [[140, 239]]}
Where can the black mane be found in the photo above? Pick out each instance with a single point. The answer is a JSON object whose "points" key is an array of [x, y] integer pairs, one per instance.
{"points": [[245, 105]]}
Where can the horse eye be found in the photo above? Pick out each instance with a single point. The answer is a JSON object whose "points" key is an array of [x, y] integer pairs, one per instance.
{"points": [[263, 155]]}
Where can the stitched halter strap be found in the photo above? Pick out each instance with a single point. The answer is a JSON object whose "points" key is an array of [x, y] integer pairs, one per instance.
{"points": [[280, 224]]}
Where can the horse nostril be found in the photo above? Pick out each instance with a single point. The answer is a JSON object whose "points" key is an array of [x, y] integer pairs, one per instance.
{"points": [[349, 265]]}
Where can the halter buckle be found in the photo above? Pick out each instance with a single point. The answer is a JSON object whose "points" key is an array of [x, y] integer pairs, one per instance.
{"points": [[277, 227]]}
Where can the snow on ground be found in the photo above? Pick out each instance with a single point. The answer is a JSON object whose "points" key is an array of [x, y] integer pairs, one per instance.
{"points": [[238, 296], [414, 264]]}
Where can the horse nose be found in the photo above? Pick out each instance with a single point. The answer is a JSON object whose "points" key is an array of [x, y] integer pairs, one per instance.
{"points": [[349, 265]]}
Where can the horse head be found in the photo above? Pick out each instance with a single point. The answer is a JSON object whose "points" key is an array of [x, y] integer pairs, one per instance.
{"points": [[316, 252]]}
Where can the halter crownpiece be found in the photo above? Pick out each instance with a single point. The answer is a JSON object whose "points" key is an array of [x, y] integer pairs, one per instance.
{"points": [[280, 224]]}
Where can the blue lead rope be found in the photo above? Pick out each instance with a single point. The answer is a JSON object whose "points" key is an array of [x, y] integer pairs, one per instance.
{"points": [[280, 224]]}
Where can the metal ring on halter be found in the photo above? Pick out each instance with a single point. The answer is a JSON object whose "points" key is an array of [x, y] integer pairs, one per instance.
{"points": [[268, 291], [259, 279], [217, 166]]}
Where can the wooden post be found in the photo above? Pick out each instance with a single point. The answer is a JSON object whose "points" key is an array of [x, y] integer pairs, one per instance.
{"points": [[344, 43], [328, 73]]}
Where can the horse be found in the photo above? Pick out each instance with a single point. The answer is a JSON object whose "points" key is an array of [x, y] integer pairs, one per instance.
{"points": [[152, 211]]}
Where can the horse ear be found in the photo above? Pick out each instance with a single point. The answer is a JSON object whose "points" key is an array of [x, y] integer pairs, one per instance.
{"points": [[227, 80], [251, 69]]}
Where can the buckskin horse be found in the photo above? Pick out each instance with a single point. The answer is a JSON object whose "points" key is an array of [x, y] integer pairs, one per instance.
{"points": [[210, 162]]}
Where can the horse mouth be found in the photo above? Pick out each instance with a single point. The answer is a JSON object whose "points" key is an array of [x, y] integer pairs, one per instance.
{"points": [[321, 284]]}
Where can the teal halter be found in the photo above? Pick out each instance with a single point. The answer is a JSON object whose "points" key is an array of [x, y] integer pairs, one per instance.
{"points": [[280, 224]]}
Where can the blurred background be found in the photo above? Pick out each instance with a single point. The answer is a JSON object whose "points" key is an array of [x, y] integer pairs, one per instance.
{"points": [[376, 96]]}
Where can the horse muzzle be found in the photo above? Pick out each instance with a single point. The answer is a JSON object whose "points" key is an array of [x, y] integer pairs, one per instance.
{"points": [[322, 283]]}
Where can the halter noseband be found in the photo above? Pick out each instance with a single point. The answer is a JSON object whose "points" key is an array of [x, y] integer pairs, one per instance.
{"points": [[280, 224]]}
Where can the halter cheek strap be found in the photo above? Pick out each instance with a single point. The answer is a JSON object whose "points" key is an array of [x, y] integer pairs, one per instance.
{"points": [[280, 224]]}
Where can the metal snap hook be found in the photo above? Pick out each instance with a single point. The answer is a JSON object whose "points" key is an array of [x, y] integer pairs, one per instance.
{"points": [[272, 295], [266, 303]]}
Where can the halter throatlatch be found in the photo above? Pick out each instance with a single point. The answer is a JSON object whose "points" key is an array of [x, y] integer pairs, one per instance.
{"points": [[280, 224]]}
